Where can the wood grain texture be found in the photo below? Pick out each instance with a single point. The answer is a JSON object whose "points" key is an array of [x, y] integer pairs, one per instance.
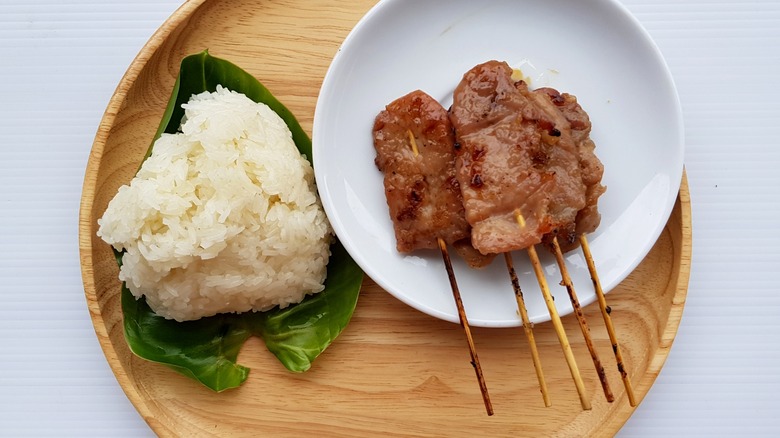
{"points": [[394, 371]]}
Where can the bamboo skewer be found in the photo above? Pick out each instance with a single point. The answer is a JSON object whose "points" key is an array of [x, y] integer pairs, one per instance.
{"points": [[556, 320], [413, 142], [581, 320], [465, 324], [558, 326], [605, 311], [528, 327]]}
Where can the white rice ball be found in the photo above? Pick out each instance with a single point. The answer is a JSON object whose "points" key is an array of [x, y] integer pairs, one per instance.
{"points": [[222, 217]]}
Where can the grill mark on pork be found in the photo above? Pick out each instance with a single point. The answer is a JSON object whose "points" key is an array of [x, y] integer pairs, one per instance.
{"points": [[422, 191], [520, 146]]}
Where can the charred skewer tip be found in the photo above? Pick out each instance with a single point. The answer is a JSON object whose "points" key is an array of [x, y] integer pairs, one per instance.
{"points": [[465, 324]]}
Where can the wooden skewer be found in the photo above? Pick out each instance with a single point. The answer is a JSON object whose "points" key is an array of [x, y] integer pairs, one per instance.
{"points": [[413, 142], [575, 302], [528, 327], [465, 324], [605, 311], [556, 320], [558, 326]]}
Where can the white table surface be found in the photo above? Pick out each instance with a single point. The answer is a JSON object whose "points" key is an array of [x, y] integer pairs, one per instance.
{"points": [[60, 63]]}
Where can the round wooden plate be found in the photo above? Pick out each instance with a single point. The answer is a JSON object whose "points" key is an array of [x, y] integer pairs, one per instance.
{"points": [[394, 371]]}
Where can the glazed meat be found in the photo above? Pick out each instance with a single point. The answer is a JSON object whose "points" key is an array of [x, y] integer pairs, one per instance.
{"points": [[517, 161], [414, 142], [592, 170]]}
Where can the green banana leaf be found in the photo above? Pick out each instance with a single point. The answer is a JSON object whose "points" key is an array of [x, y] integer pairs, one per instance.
{"points": [[206, 349]]}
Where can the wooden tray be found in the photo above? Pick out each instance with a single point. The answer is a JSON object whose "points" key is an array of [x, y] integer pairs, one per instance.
{"points": [[394, 371]]}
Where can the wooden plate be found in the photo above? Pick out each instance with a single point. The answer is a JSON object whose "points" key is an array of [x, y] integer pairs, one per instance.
{"points": [[394, 371]]}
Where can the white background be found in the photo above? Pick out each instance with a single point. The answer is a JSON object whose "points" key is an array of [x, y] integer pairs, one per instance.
{"points": [[60, 63]]}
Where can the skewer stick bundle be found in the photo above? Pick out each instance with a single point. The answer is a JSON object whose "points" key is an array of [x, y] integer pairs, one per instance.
{"points": [[556, 321]]}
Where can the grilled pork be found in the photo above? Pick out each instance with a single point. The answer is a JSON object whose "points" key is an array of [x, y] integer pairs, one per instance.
{"points": [[414, 141], [592, 170], [517, 160]]}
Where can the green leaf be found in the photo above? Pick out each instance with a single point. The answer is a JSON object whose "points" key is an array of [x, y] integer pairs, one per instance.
{"points": [[206, 349], [203, 72], [298, 334]]}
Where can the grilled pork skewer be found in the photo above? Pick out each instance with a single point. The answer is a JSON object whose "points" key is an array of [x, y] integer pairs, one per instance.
{"points": [[587, 221], [519, 171], [551, 131], [413, 139]]}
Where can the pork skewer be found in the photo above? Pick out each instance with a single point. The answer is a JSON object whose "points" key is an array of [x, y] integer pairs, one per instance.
{"points": [[519, 173], [587, 218], [605, 313], [422, 192], [558, 186]]}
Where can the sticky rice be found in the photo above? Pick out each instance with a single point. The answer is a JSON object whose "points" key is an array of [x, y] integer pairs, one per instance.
{"points": [[222, 217]]}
